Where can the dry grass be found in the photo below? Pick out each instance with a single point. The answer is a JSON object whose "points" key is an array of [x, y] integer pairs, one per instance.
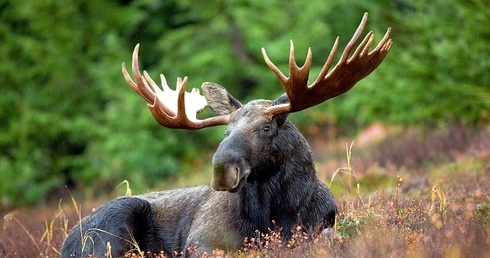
{"points": [[414, 195]]}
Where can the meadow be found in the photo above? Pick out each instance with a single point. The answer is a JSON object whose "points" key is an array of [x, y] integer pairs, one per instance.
{"points": [[72, 131], [401, 192]]}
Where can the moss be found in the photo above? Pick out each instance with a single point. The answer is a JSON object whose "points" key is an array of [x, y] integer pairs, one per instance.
{"points": [[483, 212]]}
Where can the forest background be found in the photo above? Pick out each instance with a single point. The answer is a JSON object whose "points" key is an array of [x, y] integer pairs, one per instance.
{"points": [[70, 122]]}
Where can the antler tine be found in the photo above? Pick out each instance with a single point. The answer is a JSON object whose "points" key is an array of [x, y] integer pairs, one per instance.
{"points": [[140, 85], [354, 38], [385, 43], [298, 79], [328, 63], [346, 73], [162, 104], [181, 85], [300, 74], [282, 78]]}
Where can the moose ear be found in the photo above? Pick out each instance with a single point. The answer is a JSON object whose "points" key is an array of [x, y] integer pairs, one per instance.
{"points": [[219, 100], [283, 99], [281, 118]]}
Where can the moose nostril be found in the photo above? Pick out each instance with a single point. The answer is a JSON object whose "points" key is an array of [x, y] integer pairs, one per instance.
{"points": [[233, 175], [225, 177]]}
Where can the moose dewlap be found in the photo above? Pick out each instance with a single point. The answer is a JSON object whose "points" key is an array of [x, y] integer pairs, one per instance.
{"points": [[263, 172]]}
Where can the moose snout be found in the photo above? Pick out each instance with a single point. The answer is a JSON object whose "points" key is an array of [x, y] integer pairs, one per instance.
{"points": [[230, 170], [230, 166]]}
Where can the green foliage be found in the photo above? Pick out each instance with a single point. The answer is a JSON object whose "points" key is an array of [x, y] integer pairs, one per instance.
{"points": [[57, 66], [437, 70], [68, 118]]}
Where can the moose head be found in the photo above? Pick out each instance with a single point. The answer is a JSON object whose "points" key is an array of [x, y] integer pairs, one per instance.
{"points": [[263, 171]]}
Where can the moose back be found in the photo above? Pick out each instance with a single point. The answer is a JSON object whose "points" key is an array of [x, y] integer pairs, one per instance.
{"points": [[263, 172]]}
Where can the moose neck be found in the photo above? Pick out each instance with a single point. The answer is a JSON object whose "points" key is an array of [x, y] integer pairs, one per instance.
{"points": [[277, 189]]}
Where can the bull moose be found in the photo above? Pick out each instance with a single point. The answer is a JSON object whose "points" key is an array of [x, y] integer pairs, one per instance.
{"points": [[263, 172]]}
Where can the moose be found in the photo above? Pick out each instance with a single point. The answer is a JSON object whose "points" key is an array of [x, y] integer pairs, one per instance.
{"points": [[263, 172]]}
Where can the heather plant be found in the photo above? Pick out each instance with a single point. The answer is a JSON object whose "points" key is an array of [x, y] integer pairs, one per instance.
{"points": [[392, 224]]}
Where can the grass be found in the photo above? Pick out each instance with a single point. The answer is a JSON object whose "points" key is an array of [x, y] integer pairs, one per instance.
{"points": [[421, 195]]}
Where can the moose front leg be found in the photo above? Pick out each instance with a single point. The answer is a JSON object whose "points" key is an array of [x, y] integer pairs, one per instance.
{"points": [[215, 226]]}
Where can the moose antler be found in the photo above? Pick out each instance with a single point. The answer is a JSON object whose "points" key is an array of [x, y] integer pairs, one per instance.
{"points": [[346, 73], [340, 79], [162, 105]]}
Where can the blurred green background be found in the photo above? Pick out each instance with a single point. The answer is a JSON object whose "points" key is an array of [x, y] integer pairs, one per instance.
{"points": [[67, 118]]}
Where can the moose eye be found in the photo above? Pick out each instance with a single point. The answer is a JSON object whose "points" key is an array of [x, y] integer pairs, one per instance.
{"points": [[266, 128]]}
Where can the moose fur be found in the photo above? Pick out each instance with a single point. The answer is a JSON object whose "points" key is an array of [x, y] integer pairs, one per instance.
{"points": [[263, 178]]}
